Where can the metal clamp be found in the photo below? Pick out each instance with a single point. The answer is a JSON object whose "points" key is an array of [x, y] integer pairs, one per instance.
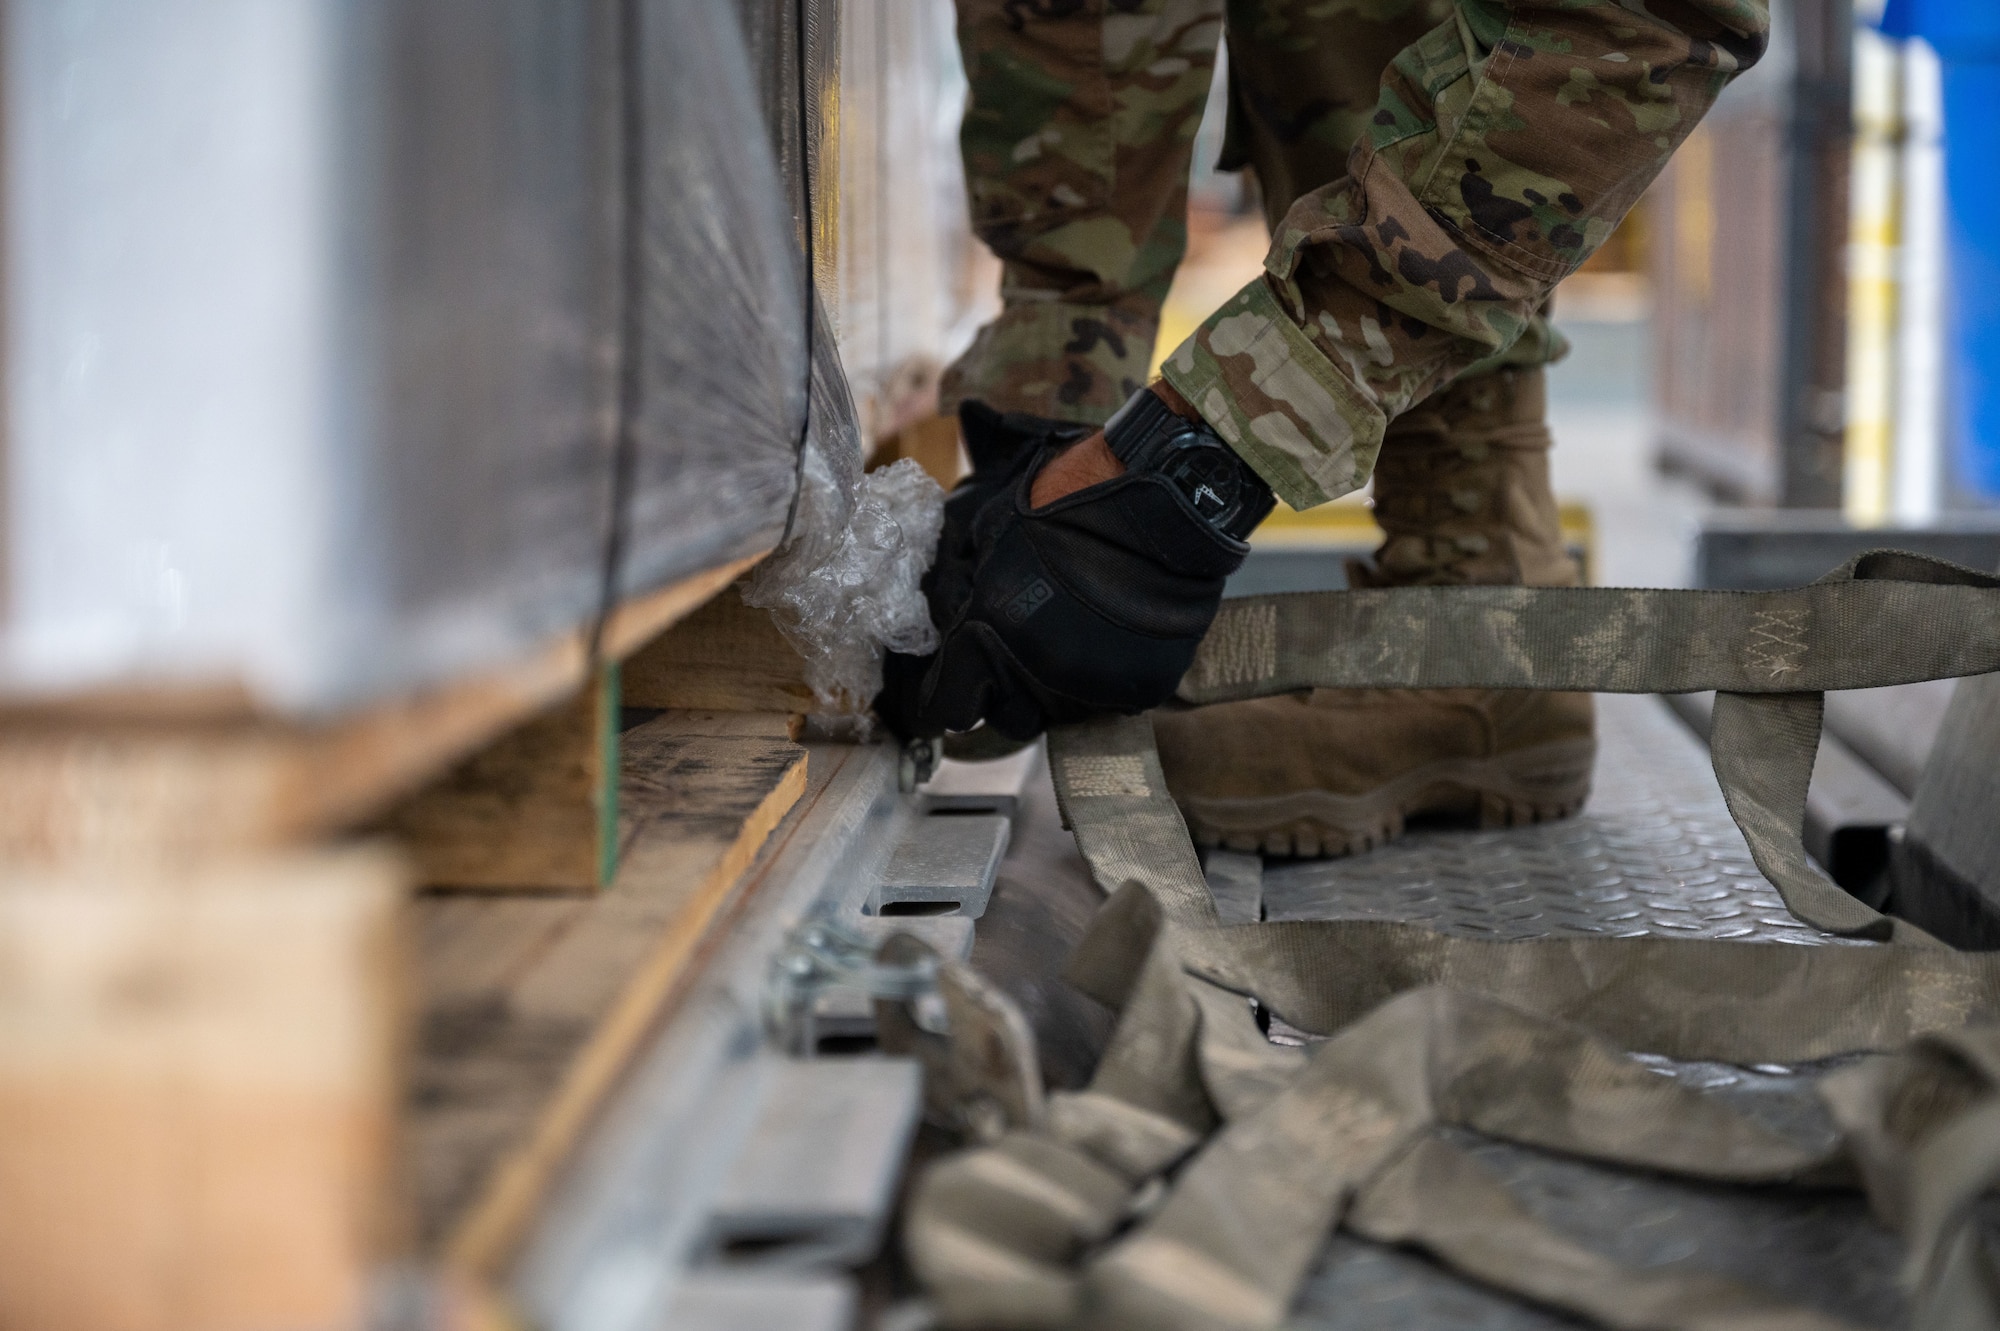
{"points": [[819, 956], [981, 1074], [919, 763]]}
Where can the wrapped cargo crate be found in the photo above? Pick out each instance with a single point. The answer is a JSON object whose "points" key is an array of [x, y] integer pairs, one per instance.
{"points": [[905, 281], [326, 320], [377, 369], [862, 100]]}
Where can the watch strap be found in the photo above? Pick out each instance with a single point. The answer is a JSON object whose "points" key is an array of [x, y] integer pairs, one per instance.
{"points": [[1137, 430]]}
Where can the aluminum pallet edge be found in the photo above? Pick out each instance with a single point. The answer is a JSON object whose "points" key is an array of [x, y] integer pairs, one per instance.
{"points": [[630, 1240]]}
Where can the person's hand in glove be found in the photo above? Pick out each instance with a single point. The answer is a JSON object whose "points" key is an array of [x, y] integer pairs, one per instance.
{"points": [[1087, 575], [1002, 447]]}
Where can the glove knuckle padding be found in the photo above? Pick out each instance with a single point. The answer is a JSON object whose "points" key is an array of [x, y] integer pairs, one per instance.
{"points": [[1000, 447], [1138, 554], [1102, 597], [1095, 603]]}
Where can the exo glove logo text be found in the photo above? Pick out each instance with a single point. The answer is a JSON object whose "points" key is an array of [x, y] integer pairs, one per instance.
{"points": [[1027, 601]]}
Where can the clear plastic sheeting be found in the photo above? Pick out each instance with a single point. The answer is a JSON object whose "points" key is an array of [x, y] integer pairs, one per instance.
{"points": [[322, 335], [721, 345], [772, 36], [846, 584], [348, 338], [913, 282]]}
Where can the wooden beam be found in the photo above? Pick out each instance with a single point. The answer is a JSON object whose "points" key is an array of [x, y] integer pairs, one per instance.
{"points": [[184, 775], [199, 1074], [535, 810], [726, 657], [532, 1008], [385, 752], [933, 442]]}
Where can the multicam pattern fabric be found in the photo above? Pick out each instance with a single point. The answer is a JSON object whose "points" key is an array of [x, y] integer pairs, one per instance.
{"points": [[1303, 79], [1076, 142], [1503, 148], [1305, 76], [1439, 199]]}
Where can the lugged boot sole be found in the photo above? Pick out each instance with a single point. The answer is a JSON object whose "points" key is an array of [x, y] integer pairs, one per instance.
{"points": [[1524, 786]]}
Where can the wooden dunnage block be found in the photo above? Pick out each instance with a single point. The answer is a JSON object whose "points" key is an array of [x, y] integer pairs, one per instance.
{"points": [[535, 810], [533, 1007], [199, 1078], [725, 656], [199, 772], [933, 442]]}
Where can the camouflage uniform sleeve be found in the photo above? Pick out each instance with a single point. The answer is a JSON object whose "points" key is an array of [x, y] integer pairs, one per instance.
{"points": [[1504, 147], [1077, 139]]}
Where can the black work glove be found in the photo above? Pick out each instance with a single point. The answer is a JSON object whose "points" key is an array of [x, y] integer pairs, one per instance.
{"points": [[1001, 447], [1095, 603]]}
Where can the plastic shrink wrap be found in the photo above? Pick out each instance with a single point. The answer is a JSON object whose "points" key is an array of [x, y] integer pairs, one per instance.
{"points": [[314, 312], [872, 122], [343, 335], [912, 281], [845, 584]]}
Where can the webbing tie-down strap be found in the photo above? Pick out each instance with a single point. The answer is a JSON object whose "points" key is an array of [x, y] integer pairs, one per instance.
{"points": [[1882, 618], [1066, 1222], [1885, 617]]}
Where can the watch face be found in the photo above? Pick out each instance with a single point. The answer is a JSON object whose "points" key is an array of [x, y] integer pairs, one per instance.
{"points": [[1203, 471]]}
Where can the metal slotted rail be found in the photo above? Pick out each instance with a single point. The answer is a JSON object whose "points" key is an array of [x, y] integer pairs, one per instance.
{"points": [[1655, 852]]}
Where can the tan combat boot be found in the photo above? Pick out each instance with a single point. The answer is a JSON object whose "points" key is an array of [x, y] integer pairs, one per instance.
{"points": [[1462, 494]]}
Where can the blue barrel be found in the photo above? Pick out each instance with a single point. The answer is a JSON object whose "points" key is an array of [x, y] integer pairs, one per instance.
{"points": [[1966, 36]]}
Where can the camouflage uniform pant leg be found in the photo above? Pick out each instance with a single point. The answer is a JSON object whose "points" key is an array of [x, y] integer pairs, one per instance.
{"points": [[1304, 76], [1502, 148], [1077, 141], [1303, 79]]}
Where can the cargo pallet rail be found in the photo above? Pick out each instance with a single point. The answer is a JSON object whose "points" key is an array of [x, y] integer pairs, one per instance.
{"points": [[396, 399], [765, 1197], [770, 1193], [433, 894]]}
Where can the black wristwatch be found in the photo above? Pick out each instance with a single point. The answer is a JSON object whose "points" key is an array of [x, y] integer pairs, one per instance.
{"points": [[1148, 436]]}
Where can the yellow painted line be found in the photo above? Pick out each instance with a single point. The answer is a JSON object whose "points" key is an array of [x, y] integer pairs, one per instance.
{"points": [[1349, 524]]}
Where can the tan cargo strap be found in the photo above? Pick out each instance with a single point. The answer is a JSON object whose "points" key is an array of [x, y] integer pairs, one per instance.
{"points": [[1882, 618], [1191, 1184]]}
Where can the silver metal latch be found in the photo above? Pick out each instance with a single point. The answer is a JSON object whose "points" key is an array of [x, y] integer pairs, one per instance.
{"points": [[820, 956], [919, 763], [981, 1074]]}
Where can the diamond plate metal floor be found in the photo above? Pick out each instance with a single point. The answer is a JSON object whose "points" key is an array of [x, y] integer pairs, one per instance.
{"points": [[1654, 853]]}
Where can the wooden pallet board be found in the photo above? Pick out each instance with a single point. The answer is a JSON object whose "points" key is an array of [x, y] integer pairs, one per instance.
{"points": [[536, 810], [186, 774], [532, 1007], [198, 1073], [726, 656]]}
